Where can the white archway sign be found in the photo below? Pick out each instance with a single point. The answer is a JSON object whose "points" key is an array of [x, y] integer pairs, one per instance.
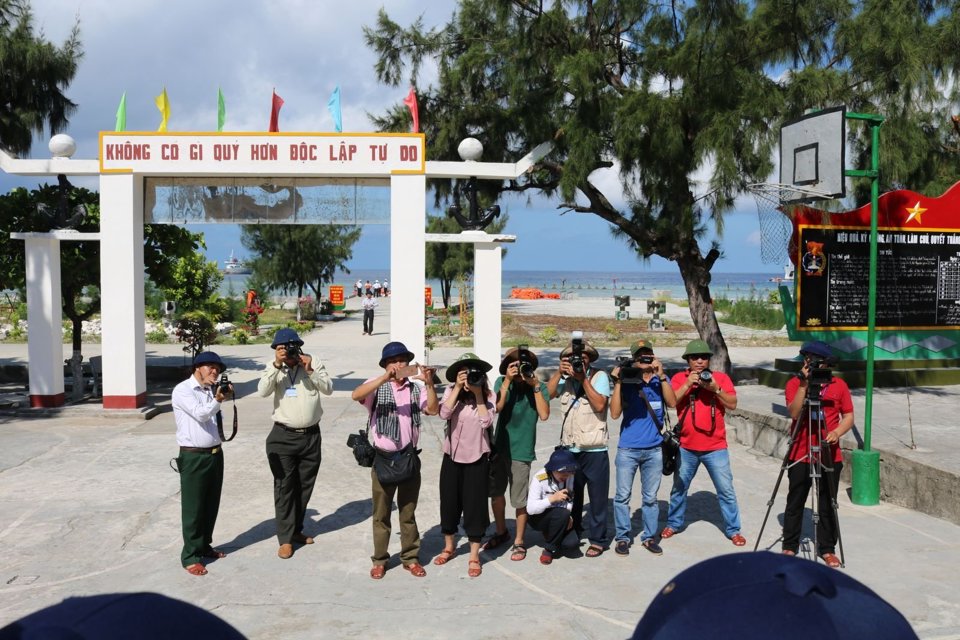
{"points": [[128, 158]]}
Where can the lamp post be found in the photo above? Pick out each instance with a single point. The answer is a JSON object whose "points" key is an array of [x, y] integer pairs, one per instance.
{"points": [[470, 150]]}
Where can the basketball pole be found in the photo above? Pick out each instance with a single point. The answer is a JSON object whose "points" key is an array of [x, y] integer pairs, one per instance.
{"points": [[866, 462]]}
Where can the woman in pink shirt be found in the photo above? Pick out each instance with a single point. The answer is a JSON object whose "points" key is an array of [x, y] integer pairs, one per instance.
{"points": [[468, 406]]}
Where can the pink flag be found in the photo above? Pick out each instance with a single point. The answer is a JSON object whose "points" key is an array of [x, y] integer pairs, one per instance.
{"points": [[411, 102], [275, 112]]}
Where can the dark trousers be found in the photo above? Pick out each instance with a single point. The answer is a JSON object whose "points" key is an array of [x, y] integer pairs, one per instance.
{"points": [[800, 483], [294, 462], [201, 479], [463, 491], [367, 321], [552, 523], [407, 494], [594, 476]]}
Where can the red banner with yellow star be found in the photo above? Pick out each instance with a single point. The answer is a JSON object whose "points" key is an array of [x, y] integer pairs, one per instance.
{"points": [[918, 267]]}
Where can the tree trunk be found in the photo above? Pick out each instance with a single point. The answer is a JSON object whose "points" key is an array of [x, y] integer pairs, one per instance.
{"points": [[299, 295], [445, 284], [696, 280]]}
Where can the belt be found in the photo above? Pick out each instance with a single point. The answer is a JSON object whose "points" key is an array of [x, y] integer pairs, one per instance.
{"points": [[314, 428], [199, 449]]}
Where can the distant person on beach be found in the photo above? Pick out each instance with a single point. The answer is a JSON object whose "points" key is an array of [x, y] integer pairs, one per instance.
{"points": [[369, 304], [469, 407], [703, 397], [295, 380], [522, 401], [376, 288], [386, 287], [367, 287], [359, 286], [642, 399], [394, 401], [196, 407], [584, 394]]}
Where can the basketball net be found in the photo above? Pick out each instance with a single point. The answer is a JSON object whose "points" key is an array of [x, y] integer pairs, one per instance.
{"points": [[775, 206]]}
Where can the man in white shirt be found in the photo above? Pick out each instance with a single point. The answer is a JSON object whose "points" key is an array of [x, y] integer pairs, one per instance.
{"points": [[196, 405], [368, 306]]}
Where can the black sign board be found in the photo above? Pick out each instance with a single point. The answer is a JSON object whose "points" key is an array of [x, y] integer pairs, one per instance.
{"points": [[918, 278]]}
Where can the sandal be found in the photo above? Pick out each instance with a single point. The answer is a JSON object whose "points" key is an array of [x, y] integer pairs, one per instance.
{"points": [[495, 541], [831, 560], [518, 553], [445, 556], [196, 569], [738, 540], [214, 554], [377, 571], [415, 569], [474, 571], [593, 551]]}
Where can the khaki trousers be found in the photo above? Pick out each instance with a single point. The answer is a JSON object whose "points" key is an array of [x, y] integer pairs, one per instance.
{"points": [[407, 494]]}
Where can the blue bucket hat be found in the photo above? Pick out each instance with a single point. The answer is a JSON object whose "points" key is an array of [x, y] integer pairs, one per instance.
{"points": [[208, 357], [394, 349], [562, 460], [816, 348], [768, 595], [286, 336]]}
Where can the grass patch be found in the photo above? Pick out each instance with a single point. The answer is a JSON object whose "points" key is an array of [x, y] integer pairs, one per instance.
{"points": [[752, 312]]}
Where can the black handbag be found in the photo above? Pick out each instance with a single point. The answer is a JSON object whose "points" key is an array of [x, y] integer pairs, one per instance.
{"points": [[396, 467], [670, 443], [363, 451]]}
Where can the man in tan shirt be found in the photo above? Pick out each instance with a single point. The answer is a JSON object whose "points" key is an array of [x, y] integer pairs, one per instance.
{"points": [[293, 446]]}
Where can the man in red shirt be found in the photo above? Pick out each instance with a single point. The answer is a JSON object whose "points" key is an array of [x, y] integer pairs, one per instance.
{"points": [[703, 397], [824, 426]]}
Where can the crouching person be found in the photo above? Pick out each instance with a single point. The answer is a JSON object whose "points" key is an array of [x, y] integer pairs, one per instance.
{"points": [[550, 502]]}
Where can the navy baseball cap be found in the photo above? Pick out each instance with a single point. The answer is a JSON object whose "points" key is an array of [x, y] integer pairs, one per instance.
{"points": [[562, 460], [768, 595], [109, 616], [816, 348]]}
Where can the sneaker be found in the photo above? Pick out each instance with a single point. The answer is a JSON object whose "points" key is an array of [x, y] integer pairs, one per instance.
{"points": [[546, 557], [652, 547], [622, 548]]}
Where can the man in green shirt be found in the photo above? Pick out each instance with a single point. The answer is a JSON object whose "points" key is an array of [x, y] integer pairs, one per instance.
{"points": [[521, 400]]}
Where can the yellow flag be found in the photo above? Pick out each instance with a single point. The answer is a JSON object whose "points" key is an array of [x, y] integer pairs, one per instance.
{"points": [[163, 104]]}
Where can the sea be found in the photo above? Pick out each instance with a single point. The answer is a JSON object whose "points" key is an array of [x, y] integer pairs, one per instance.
{"points": [[576, 284]]}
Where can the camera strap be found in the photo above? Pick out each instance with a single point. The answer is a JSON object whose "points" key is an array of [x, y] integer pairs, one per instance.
{"points": [[576, 398], [653, 414], [220, 424]]}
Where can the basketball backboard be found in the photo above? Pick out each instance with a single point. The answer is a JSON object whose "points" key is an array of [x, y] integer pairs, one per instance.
{"points": [[812, 156]]}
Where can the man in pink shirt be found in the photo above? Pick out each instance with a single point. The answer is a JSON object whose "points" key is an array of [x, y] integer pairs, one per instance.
{"points": [[395, 401]]}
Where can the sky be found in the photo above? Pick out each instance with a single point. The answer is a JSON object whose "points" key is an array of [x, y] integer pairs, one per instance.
{"points": [[303, 50]]}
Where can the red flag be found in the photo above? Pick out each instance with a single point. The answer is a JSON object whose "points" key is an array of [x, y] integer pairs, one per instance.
{"points": [[275, 112], [411, 102]]}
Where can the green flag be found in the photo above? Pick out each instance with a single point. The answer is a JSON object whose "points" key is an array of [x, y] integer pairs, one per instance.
{"points": [[122, 114], [221, 110]]}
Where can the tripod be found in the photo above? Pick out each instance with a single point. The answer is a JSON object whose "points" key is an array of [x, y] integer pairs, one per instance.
{"points": [[813, 410]]}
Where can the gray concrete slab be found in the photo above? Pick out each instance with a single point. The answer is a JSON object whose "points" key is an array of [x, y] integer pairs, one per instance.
{"points": [[90, 505]]}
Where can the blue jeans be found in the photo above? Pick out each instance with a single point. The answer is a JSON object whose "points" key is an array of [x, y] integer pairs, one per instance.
{"points": [[718, 466], [650, 463]]}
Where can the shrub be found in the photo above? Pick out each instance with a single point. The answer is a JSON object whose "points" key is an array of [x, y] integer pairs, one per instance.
{"points": [[158, 336], [755, 313], [550, 335], [241, 336]]}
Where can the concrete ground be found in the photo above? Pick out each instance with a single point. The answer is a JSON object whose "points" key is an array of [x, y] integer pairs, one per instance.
{"points": [[89, 504]]}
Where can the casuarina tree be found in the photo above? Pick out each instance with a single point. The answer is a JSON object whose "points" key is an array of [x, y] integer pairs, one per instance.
{"points": [[680, 100]]}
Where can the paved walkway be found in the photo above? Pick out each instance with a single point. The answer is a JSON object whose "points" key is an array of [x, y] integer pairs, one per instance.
{"points": [[88, 504]]}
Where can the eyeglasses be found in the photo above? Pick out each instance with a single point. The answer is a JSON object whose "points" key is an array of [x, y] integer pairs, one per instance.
{"points": [[699, 356]]}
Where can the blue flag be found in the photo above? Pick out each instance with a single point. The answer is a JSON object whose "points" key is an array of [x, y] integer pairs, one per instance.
{"points": [[333, 105]]}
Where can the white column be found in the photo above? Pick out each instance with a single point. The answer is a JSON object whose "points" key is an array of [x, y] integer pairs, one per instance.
{"points": [[408, 220], [487, 278], [44, 311], [121, 291]]}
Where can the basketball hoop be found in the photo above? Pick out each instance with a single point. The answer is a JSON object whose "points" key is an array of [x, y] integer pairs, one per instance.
{"points": [[775, 205]]}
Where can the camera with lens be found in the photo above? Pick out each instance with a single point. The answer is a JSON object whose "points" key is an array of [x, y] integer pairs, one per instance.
{"points": [[576, 355], [526, 362], [475, 377], [224, 385], [363, 451], [293, 350], [645, 359], [706, 376]]}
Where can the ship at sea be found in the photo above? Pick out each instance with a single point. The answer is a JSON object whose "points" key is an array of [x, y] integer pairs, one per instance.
{"points": [[235, 266]]}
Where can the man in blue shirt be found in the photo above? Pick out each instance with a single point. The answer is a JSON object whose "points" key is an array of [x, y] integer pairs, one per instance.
{"points": [[640, 391]]}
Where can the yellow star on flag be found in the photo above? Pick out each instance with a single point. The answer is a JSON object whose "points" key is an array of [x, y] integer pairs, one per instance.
{"points": [[915, 212]]}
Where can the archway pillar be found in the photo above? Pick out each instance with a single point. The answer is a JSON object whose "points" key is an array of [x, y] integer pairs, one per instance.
{"points": [[121, 291], [408, 255]]}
